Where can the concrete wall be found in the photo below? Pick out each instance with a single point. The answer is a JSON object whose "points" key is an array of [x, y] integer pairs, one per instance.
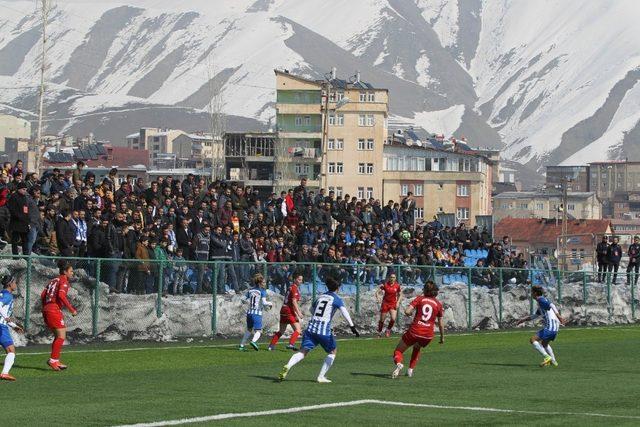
{"points": [[13, 127]]}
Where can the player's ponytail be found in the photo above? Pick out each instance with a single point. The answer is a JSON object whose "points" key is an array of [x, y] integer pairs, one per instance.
{"points": [[258, 278], [430, 289]]}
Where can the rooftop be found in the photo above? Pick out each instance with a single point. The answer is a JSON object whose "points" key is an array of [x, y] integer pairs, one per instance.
{"points": [[534, 230], [541, 194], [354, 83], [98, 155]]}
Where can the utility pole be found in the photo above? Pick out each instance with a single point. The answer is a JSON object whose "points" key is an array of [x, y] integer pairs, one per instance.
{"points": [[565, 226], [217, 123], [324, 167], [45, 9]]}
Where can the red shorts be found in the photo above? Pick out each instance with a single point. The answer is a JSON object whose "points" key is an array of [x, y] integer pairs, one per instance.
{"points": [[287, 316], [410, 339], [53, 319], [387, 307]]}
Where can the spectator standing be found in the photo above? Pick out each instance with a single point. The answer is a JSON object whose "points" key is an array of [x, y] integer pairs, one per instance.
{"points": [[614, 255], [19, 222], [601, 257]]}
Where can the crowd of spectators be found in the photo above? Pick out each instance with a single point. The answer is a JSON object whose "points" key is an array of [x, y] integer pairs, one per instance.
{"points": [[72, 214]]}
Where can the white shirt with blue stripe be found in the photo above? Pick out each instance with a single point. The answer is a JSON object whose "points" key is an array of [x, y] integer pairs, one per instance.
{"points": [[323, 310], [547, 310], [257, 298], [6, 307]]}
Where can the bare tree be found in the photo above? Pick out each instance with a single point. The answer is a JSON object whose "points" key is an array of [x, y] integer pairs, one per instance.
{"points": [[45, 7], [217, 121]]}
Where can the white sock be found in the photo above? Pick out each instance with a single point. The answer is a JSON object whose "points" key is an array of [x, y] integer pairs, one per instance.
{"points": [[328, 361], [295, 359], [245, 337], [8, 363], [550, 352], [256, 336], [538, 346]]}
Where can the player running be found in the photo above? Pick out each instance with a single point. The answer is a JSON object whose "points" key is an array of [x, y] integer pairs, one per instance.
{"points": [[319, 330], [389, 296], [290, 314], [54, 298], [257, 298], [9, 286], [427, 309], [552, 321]]}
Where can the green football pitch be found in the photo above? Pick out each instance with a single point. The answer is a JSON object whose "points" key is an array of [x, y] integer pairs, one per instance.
{"points": [[479, 378]]}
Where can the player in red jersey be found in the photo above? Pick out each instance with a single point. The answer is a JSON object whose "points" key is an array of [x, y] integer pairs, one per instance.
{"points": [[54, 298], [389, 296], [290, 314], [427, 309]]}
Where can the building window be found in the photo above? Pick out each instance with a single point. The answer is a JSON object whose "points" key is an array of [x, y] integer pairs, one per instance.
{"points": [[571, 207], [302, 169], [539, 206], [335, 144], [369, 168], [404, 189], [360, 193], [361, 144], [307, 120], [339, 95], [331, 144], [422, 164], [338, 191], [339, 168], [336, 119], [369, 192], [332, 168], [419, 213], [463, 190], [362, 120], [366, 120], [363, 96], [418, 190], [370, 120], [524, 206], [361, 168], [298, 120], [369, 144], [462, 214], [371, 97]]}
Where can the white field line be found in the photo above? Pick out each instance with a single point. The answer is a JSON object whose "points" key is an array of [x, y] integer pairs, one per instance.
{"points": [[293, 410], [195, 346]]}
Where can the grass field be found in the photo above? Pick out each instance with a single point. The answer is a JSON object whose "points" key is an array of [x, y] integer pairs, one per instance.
{"points": [[115, 384]]}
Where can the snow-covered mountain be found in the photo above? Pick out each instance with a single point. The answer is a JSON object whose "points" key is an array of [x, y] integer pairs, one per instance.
{"points": [[549, 80]]}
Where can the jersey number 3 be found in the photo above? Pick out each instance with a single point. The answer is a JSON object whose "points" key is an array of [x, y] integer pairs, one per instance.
{"points": [[320, 309], [427, 311]]}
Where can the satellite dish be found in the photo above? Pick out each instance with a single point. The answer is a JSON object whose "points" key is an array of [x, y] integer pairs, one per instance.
{"points": [[419, 143]]}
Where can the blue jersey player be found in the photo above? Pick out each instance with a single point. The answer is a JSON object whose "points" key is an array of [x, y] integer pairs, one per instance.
{"points": [[319, 331], [9, 286], [552, 321], [257, 299]]}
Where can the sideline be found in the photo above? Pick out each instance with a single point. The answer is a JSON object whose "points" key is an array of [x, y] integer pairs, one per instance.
{"points": [[196, 346], [227, 416]]}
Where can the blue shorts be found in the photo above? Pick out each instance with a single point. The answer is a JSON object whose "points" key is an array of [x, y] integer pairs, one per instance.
{"points": [[310, 340], [254, 321], [547, 335], [5, 337]]}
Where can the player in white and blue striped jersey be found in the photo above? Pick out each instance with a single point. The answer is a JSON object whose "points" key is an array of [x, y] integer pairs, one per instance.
{"points": [[257, 299], [319, 330], [552, 321], [9, 286]]}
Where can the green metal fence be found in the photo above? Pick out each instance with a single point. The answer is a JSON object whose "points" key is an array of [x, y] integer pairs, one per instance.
{"points": [[151, 301]]}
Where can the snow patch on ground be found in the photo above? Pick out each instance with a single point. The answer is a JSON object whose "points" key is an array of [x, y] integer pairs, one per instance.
{"points": [[445, 121], [443, 17]]}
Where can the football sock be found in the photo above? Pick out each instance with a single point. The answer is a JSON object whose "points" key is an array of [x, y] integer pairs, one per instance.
{"points": [[256, 336], [245, 337], [391, 323], [415, 356], [550, 352], [380, 326], [294, 337], [397, 357], [295, 359], [8, 363], [328, 361], [56, 348], [538, 346], [275, 338]]}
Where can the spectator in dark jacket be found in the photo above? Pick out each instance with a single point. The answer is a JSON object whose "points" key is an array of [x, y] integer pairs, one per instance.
{"points": [[601, 256], [614, 255], [65, 235], [19, 221]]}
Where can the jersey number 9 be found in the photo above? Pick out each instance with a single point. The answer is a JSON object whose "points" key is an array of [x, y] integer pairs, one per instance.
{"points": [[427, 311]]}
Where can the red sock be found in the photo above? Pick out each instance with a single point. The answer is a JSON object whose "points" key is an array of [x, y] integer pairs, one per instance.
{"points": [[294, 337], [391, 323], [397, 356], [380, 326], [415, 356], [56, 348], [275, 338]]}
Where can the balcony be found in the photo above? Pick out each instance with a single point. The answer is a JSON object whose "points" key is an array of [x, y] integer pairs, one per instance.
{"points": [[298, 109]]}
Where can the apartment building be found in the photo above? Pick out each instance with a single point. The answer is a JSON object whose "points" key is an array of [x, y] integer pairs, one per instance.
{"points": [[157, 141], [13, 127], [332, 132], [577, 177], [445, 177], [545, 204]]}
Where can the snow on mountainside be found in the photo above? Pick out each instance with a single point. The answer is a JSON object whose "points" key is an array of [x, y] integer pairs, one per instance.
{"points": [[552, 81]]}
